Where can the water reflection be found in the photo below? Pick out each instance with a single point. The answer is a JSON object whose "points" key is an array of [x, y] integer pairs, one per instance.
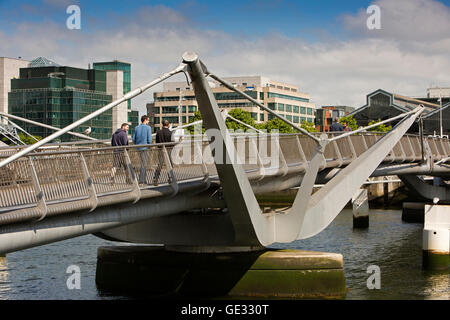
{"points": [[394, 246], [4, 278]]}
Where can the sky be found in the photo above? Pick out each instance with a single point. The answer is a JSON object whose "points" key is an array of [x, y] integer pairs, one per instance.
{"points": [[324, 47]]}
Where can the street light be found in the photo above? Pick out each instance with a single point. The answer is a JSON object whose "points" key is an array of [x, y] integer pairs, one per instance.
{"points": [[440, 112]]}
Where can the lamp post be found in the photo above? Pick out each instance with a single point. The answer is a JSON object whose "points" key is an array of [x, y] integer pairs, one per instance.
{"points": [[440, 112]]}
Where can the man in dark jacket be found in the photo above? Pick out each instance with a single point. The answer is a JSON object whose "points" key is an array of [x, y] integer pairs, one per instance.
{"points": [[119, 138], [336, 126], [162, 136]]}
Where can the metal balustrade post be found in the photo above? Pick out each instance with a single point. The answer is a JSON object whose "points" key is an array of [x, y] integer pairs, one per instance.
{"points": [[364, 142], [402, 150], [302, 155], [338, 154], [93, 199], [40, 196], [284, 167], [136, 191], [352, 148], [259, 162], [414, 157], [172, 178]]}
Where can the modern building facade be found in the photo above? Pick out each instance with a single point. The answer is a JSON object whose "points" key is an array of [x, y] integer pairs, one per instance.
{"points": [[119, 85], [327, 114], [60, 95], [384, 105], [9, 69], [283, 98]]}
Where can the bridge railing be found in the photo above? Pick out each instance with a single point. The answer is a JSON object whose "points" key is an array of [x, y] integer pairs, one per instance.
{"points": [[61, 176]]}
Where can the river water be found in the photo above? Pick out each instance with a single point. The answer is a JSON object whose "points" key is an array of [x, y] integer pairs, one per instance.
{"points": [[392, 245]]}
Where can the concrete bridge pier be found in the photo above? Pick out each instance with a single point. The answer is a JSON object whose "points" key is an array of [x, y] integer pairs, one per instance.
{"points": [[220, 272], [436, 238], [360, 203]]}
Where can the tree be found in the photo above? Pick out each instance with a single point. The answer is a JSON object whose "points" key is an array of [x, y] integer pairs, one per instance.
{"points": [[281, 126], [308, 126], [28, 140], [197, 117], [380, 128], [240, 115], [351, 122]]}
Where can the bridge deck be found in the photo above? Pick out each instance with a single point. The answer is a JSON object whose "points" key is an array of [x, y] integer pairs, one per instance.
{"points": [[53, 181]]}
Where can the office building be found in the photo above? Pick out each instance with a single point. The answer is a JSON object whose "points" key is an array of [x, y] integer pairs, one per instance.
{"points": [[60, 95], [9, 69], [326, 115], [285, 99], [118, 75]]}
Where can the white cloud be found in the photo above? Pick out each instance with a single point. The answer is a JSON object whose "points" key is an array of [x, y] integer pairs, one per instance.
{"points": [[333, 72]]}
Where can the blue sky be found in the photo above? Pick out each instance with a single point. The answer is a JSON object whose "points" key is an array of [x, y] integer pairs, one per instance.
{"points": [[301, 18], [323, 46]]}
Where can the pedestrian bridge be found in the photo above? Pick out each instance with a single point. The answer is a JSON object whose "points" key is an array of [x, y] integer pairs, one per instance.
{"points": [[55, 192]]}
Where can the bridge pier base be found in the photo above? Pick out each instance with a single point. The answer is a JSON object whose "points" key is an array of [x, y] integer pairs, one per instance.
{"points": [[436, 238], [360, 203], [156, 272]]}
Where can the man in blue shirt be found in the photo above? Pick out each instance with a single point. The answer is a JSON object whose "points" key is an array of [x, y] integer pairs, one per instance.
{"points": [[143, 135]]}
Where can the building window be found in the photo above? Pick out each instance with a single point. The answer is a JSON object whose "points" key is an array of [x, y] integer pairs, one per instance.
{"points": [[296, 109], [284, 96], [302, 110], [272, 106], [309, 111], [289, 117], [254, 115], [280, 107], [261, 117], [261, 96], [288, 108], [296, 119]]}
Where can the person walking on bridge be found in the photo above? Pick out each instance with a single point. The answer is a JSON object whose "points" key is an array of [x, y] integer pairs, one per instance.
{"points": [[119, 138], [162, 136], [336, 126], [142, 135]]}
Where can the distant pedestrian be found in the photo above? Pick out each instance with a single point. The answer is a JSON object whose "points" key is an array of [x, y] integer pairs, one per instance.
{"points": [[142, 135], [336, 126], [347, 128], [162, 136], [119, 138]]}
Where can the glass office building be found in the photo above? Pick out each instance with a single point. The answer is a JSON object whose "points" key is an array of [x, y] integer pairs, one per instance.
{"points": [[59, 96], [133, 116]]}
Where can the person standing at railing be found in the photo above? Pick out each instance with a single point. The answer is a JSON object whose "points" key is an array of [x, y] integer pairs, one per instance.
{"points": [[162, 136], [142, 135], [119, 138]]}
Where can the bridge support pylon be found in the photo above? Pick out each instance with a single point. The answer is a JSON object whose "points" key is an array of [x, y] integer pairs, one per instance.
{"points": [[267, 274], [360, 201], [436, 238]]}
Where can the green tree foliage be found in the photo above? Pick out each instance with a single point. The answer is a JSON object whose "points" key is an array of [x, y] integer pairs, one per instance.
{"points": [[240, 115], [380, 128], [28, 140], [308, 126], [197, 117], [277, 124], [351, 122]]}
